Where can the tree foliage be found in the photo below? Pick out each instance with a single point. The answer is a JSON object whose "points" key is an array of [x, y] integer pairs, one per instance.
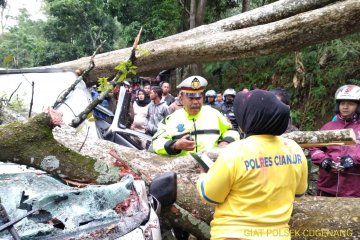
{"points": [[327, 66], [75, 27], [21, 45], [159, 18]]}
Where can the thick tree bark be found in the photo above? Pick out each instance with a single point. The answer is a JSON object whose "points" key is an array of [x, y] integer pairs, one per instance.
{"points": [[325, 218], [322, 138], [189, 213], [33, 144], [312, 218], [279, 27]]}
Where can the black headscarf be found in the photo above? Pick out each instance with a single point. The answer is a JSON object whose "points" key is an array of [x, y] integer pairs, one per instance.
{"points": [[146, 101], [260, 112]]}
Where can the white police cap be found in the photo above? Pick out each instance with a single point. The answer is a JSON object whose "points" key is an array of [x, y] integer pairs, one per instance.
{"points": [[193, 86]]}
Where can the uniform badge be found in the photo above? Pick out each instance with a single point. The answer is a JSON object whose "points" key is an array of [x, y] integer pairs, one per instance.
{"points": [[195, 83], [180, 127]]}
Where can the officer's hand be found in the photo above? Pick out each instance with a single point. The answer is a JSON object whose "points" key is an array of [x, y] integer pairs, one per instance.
{"points": [[184, 143], [346, 162], [222, 144], [327, 164]]}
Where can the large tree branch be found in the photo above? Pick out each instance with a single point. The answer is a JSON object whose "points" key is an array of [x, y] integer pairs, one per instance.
{"points": [[322, 138], [279, 27], [63, 96], [83, 115], [32, 144]]}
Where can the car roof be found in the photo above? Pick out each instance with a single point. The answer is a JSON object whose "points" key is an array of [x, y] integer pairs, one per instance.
{"points": [[33, 70], [40, 87]]}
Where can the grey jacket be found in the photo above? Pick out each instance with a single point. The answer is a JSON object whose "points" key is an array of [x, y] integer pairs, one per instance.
{"points": [[156, 113]]}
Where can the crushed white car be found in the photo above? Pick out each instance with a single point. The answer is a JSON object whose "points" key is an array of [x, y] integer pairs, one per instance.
{"points": [[39, 206], [35, 205]]}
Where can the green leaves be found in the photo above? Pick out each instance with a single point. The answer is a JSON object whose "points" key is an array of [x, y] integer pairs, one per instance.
{"points": [[8, 59], [126, 68], [82, 25], [90, 117], [21, 43], [159, 18], [319, 71], [103, 84], [143, 51]]}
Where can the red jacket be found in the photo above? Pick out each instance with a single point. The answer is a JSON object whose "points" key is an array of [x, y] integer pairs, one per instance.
{"points": [[346, 183]]}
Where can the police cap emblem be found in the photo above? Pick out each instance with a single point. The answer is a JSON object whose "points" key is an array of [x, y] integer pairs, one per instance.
{"points": [[195, 83]]}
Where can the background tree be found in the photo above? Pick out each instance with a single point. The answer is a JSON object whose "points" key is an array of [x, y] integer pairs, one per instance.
{"points": [[159, 18], [23, 43], [312, 85], [74, 27], [3, 7], [245, 5], [197, 13]]}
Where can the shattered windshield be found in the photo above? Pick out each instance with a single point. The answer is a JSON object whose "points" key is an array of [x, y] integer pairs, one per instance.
{"points": [[64, 211]]}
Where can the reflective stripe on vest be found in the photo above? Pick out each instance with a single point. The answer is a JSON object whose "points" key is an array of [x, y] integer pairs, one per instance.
{"points": [[206, 131]]}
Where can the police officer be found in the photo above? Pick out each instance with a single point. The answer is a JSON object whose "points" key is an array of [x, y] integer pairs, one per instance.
{"points": [[254, 199], [195, 127], [227, 107]]}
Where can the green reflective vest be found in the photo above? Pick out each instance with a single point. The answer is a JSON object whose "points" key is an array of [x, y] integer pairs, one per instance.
{"points": [[207, 129]]}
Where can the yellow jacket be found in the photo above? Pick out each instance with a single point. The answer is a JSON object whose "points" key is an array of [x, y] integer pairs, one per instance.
{"points": [[254, 183], [207, 129]]}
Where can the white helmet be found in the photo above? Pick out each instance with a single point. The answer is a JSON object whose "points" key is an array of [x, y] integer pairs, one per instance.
{"points": [[210, 93], [348, 92], [229, 91]]}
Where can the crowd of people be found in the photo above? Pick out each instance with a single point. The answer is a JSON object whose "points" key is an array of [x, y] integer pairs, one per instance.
{"points": [[258, 175], [149, 104]]}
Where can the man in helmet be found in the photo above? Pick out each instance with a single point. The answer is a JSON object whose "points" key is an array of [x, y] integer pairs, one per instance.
{"points": [[210, 96], [227, 107], [194, 128], [339, 174]]}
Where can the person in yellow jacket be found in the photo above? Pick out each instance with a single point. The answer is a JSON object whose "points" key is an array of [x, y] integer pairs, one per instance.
{"points": [[195, 127], [254, 181]]}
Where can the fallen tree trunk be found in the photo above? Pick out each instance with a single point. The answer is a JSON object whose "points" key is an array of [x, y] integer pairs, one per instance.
{"points": [[189, 213], [325, 217], [322, 138], [238, 37], [313, 217], [32, 144]]}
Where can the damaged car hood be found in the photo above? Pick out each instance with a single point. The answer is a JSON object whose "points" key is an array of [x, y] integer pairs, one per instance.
{"points": [[101, 212]]}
